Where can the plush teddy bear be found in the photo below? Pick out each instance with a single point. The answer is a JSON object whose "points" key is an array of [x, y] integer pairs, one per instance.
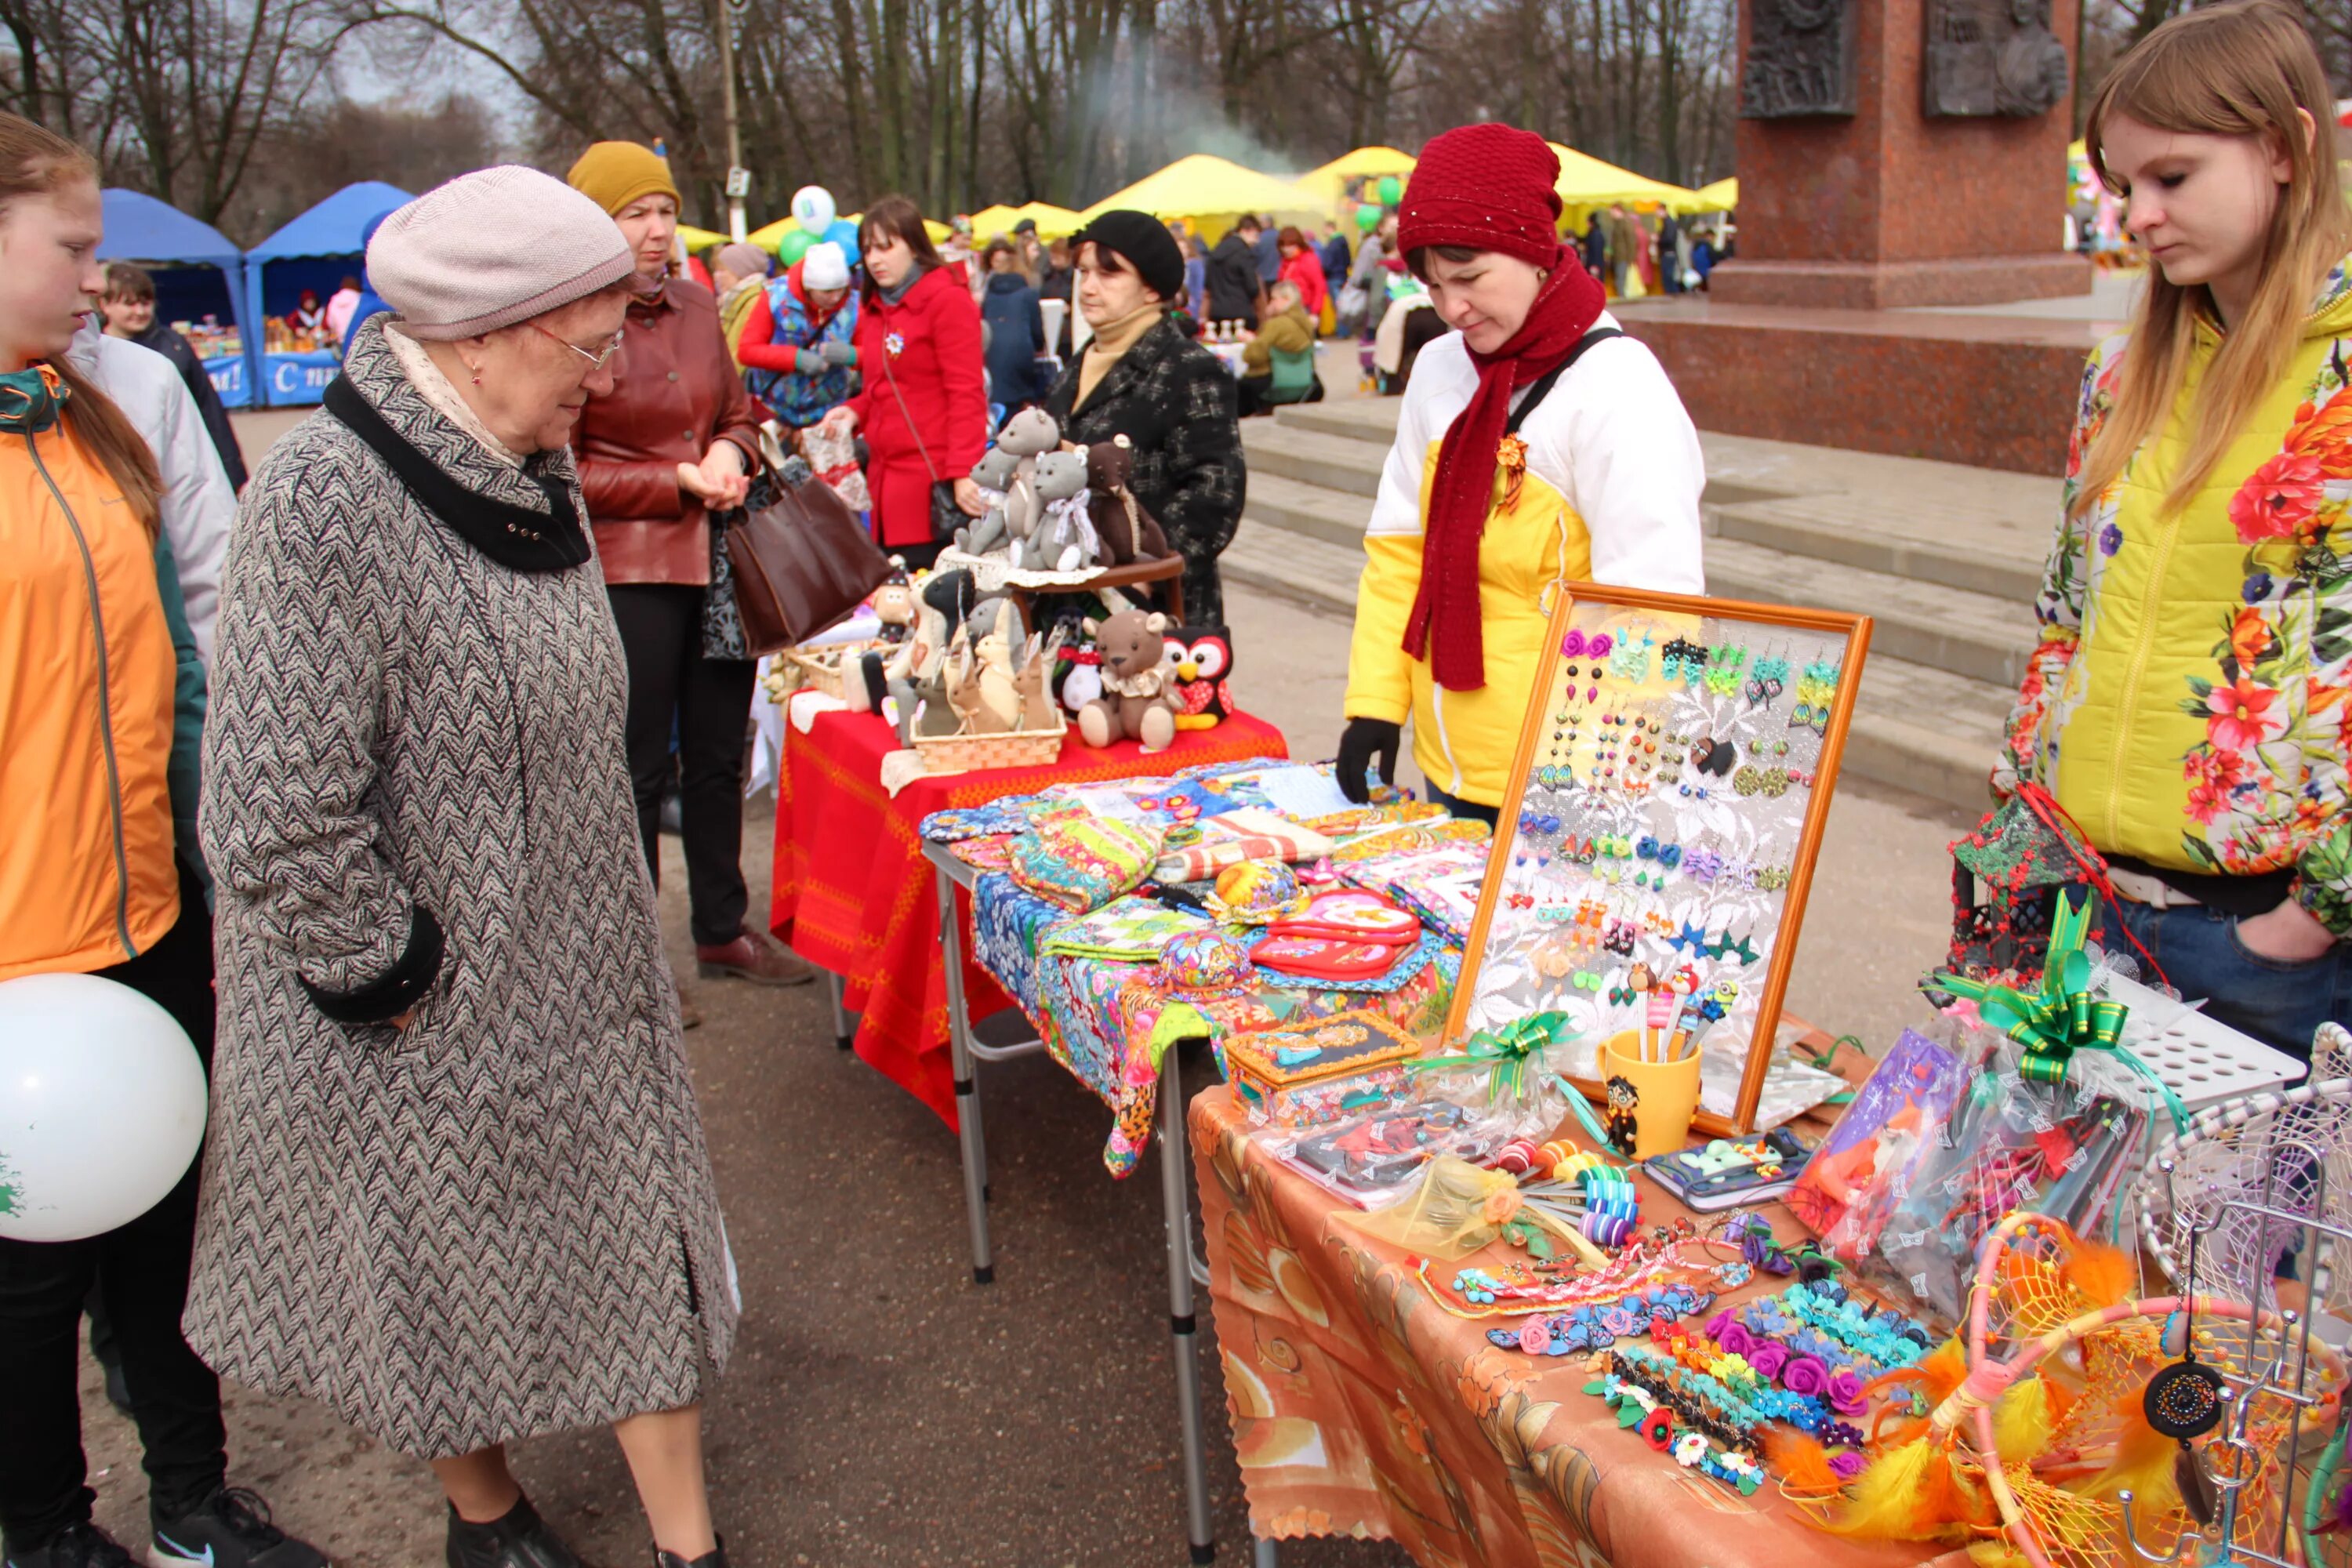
{"points": [[1062, 539], [1135, 702], [1128, 531], [993, 474]]}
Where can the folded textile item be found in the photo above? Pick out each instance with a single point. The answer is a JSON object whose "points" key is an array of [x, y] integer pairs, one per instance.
{"points": [[1084, 865], [1350, 914], [975, 821], [1252, 833], [1126, 930], [993, 852]]}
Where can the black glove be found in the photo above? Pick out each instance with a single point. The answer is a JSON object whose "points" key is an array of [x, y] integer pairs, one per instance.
{"points": [[1359, 742]]}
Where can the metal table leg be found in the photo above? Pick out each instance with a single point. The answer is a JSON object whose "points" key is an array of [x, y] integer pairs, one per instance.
{"points": [[1175, 1155], [835, 988], [1262, 1554], [967, 1087]]}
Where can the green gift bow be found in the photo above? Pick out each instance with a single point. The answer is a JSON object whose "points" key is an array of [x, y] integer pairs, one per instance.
{"points": [[2061, 1018], [1505, 1054]]}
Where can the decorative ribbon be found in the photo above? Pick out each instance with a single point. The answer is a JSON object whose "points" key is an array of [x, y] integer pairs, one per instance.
{"points": [[1505, 1055], [2061, 1018]]}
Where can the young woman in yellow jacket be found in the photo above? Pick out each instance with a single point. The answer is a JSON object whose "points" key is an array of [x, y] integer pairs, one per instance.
{"points": [[102, 698], [1537, 446], [2187, 702]]}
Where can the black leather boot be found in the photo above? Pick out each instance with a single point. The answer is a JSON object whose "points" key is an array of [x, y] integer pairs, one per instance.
{"points": [[520, 1540]]}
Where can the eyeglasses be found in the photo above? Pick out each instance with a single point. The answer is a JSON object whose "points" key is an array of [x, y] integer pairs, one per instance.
{"points": [[596, 361]]}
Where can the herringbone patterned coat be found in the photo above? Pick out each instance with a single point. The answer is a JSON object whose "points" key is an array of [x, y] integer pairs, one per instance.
{"points": [[499, 1220]]}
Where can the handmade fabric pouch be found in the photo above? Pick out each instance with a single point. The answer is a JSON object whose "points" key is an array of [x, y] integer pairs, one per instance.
{"points": [[1084, 865], [959, 823], [1325, 964], [1127, 929]]}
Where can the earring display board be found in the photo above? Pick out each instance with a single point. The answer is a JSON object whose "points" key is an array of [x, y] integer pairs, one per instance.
{"points": [[1658, 841]]}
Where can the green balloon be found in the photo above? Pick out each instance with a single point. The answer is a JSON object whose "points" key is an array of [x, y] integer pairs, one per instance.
{"points": [[793, 246], [1367, 218], [1390, 189]]}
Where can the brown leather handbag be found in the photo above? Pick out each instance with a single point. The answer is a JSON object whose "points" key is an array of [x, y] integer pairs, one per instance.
{"points": [[802, 563]]}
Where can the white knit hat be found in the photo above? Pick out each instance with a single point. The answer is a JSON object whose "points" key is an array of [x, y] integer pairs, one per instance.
{"points": [[825, 266], [491, 249]]}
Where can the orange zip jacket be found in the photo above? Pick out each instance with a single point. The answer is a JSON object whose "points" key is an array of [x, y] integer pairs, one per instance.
{"points": [[86, 686]]}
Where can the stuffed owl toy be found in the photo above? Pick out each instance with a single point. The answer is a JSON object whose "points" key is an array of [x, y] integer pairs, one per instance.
{"points": [[1200, 659]]}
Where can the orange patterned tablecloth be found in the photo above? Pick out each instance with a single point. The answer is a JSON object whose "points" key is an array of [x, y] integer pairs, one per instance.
{"points": [[1360, 1408], [853, 892]]}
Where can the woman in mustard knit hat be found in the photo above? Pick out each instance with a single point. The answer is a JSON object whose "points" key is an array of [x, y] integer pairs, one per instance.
{"points": [[672, 443]]}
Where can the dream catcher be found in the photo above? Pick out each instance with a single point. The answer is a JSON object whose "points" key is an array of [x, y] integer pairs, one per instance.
{"points": [[2087, 1426], [2247, 1176]]}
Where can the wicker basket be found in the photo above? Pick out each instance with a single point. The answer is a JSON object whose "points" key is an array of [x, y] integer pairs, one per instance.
{"points": [[819, 669], [970, 754]]}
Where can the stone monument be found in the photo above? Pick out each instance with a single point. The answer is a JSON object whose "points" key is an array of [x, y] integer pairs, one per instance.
{"points": [[1892, 153], [1901, 153]]}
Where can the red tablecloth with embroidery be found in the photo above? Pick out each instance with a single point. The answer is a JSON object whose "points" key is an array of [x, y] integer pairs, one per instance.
{"points": [[853, 892], [1360, 1408]]}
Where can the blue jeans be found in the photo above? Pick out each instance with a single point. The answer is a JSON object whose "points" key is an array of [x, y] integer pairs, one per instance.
{"points": [[2278, 1003]]}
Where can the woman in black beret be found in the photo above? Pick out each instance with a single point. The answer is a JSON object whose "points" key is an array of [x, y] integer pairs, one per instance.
{"points": [[1143, 378]]}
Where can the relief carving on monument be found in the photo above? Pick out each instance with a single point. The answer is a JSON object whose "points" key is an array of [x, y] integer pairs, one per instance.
{"points": [[1799, 60], [1993, 58]]}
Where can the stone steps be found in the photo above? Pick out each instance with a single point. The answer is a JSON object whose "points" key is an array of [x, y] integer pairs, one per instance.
{"points": [[1944, 559]]}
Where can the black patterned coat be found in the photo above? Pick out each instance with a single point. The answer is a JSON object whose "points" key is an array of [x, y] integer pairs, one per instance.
{"points": [[500, 1219], [1177, 403]]}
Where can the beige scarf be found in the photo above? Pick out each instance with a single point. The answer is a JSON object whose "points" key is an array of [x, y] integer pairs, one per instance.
{"points": [[1110, 342]]}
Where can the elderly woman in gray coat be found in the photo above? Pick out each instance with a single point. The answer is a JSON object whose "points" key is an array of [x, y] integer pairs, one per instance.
{"points": [[456, 1188]]}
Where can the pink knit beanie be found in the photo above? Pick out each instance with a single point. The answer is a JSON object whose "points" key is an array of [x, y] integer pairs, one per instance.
{"points": [[491, 249]]}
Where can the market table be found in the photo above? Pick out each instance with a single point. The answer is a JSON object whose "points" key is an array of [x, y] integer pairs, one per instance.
{"points": [[1361, 1408], [854, 895]]}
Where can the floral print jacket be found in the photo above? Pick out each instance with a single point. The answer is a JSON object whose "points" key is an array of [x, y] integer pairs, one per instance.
{"points": [[2188, 700]]}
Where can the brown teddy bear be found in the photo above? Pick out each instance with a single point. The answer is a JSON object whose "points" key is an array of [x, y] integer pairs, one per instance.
{"points": [[1136, 701], [1128, 533]]}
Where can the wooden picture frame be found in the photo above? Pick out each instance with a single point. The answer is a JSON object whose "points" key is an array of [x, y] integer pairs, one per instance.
{"points": [[1512, 960]]}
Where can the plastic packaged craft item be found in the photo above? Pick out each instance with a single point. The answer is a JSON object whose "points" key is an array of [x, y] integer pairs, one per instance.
{"points": [[1865, 1163], [1459, 1208], [1373, 1159], [1341, 1066], [2014, 1142]]}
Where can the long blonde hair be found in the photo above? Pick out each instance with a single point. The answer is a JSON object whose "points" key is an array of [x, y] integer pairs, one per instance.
{"points": [[2240, 69]]}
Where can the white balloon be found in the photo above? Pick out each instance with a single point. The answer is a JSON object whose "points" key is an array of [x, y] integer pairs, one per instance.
{"points": [[813, 206], [101, 1106]]}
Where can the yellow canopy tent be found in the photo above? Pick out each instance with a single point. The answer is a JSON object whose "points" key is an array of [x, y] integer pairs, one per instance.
{"points": [[998, 219], [1585, 182], [1331, 179], [696, 238], [1210, 192], [1052, 222], [772, 236], [1719, 197]]}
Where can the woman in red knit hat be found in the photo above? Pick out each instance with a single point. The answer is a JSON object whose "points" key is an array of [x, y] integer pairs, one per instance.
{"points": [[1457, 591]]}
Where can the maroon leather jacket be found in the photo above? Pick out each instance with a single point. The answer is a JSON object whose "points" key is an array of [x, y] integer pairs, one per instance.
{"points": [[674, 391]]}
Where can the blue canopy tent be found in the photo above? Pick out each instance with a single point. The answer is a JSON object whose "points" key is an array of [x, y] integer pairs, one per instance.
{"points": [[199, 283], [315, 251]]}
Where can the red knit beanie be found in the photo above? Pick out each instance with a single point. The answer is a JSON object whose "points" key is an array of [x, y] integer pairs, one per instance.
{"points": [[1489, 187]]}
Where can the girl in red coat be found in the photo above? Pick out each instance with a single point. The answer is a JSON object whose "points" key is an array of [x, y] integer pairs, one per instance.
{"points": [[923, 406], [1301, 266]]}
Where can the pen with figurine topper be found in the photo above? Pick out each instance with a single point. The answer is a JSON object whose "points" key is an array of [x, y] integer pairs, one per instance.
{"points": [[1663, 811]]}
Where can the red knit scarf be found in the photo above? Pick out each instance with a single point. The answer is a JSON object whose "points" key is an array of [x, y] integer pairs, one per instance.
{"points": [[1464, 488]]}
